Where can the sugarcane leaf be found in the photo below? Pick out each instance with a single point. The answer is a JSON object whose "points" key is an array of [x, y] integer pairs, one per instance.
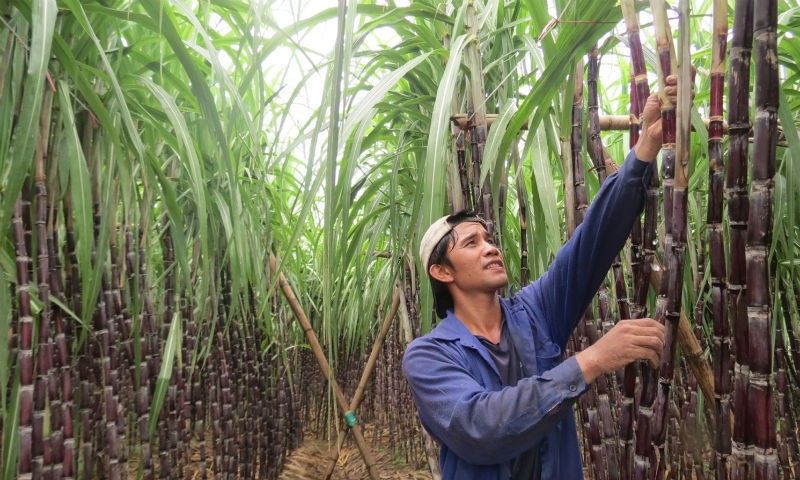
{"points": [[569, 43], [212, 56], [7, 99], [64, 308], [188, 156], [546, 226], [433, 169], [171, 353], [5, 326], [788, 222], [199, 84], [176, 217], [133, 134], [364, 107], [491, 158], [26, 131], [11, 432], [81, 198]]}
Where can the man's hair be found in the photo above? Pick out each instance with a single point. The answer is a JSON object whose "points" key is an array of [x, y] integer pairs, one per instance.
{"points": [[442, 300]]}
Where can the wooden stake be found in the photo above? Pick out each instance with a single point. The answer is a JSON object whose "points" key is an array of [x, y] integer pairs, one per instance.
{"points": [[368, 369], [323, 364]]}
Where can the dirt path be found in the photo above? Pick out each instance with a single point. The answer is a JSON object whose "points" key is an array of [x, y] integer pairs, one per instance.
{"points": [[311, 459]]}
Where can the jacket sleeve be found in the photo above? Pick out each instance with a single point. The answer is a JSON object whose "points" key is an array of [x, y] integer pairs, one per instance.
{"points": [[566, 289], [481, 426]]}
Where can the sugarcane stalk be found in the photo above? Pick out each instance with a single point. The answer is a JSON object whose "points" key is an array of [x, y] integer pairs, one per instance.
{"points": [[651, 418], [226, 379], [523, 215], [595, 408], [482, 192], [324, 366], [690, 347], [738, 206], [597, 152], [643, 240], [761, 434], [109, 442], [679, 219], [42, 445], [25, 352], [642, 243], [138, 280], [569, 190], [185, 391], [594, 144], [630, 125], [72, 278], [647, 237], [61, 406], [716, 242], [578, 181], [462, 200], [641, 86], [165, 452]]}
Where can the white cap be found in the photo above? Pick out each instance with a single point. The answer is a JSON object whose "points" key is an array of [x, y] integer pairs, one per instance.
{"points": [[432, 237]]}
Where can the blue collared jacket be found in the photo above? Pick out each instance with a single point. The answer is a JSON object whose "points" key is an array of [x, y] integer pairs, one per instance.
{"points": [[482, 425]]}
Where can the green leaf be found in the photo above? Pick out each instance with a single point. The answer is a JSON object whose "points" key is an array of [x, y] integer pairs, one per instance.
{"points": [[11, 432], [433, 169], [26, 131], [80, 197], [172, 351], [5, 326]]}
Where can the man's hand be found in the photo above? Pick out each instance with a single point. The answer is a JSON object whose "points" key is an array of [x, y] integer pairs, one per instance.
{"points": [[628, 341], [649, 143]]}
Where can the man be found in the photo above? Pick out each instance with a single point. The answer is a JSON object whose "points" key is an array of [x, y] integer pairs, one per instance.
{"points": [[490, 382]]}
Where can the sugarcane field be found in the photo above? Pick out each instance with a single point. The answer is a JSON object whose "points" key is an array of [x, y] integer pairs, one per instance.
{"points": [[400, 239]]}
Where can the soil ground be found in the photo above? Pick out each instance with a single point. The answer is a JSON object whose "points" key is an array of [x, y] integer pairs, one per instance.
{"points": [[312, 458]]}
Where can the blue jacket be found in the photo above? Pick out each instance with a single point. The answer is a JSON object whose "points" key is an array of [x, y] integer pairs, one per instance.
{"points": [[481, 425]]}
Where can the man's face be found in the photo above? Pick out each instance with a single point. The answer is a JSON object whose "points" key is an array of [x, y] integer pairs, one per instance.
{"points": [[477, 264]]}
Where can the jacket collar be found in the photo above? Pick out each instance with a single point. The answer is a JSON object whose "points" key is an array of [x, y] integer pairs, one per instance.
{"points": [[451, 329]]}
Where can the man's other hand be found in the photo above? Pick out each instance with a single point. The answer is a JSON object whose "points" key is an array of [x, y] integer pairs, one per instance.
{"points": [[628, 341]]}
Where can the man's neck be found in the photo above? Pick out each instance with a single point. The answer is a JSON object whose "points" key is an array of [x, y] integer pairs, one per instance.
{"points": [[481, 314]]}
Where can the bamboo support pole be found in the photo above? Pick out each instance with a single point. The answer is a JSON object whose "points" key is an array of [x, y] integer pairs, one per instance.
{"points": [[606, 123], [297, 309], [367, 373]]}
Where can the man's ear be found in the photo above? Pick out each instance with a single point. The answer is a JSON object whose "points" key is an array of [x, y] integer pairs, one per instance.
{"points": [[442, 273]]}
